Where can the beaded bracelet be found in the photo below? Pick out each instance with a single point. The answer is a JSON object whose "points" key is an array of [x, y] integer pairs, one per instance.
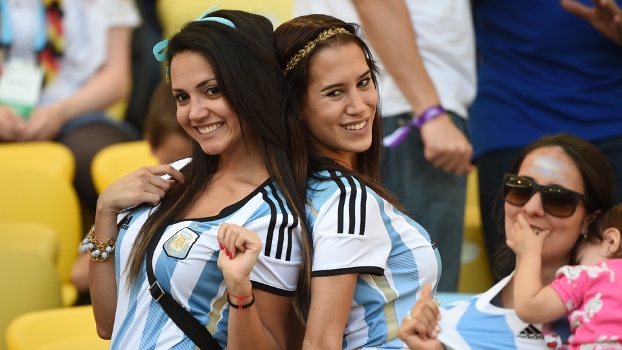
{"points": [[99, 251], [240, 306]]}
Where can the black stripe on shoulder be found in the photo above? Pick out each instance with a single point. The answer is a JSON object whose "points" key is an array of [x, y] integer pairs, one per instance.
{"points": [[285, 216], [272, 290], [270, 233], [363, 207], [290, 238], [370, 270], [342, 201], [352, 205]]}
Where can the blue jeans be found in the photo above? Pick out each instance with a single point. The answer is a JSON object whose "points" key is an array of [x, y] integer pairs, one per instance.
{"points": [[432, 197]]}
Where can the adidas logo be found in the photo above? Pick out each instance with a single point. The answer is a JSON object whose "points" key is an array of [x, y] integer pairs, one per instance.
{"points": [[530, 332]]}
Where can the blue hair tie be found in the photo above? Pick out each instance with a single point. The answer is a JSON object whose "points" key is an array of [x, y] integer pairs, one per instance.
{"points": [[159, 49]]}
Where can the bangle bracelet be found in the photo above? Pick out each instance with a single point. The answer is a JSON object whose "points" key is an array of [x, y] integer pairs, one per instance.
{"points": [[400, 134], [239, 305], [98, 251], [427, 115]]}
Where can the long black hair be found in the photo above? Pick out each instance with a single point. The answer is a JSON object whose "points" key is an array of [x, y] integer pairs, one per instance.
{"points": [[243, 61], [292, 36]]}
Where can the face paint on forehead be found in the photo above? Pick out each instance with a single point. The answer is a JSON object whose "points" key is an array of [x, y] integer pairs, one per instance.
{"points": [[549, 166]]}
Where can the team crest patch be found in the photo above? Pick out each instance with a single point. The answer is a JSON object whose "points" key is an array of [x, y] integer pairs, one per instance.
{"points": [[179, 245]]}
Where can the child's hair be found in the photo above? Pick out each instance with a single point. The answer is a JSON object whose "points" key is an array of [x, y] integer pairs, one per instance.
{"points": [[161, 120], [611, 218]]}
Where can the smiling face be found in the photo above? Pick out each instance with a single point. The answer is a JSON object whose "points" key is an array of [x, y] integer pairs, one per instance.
{"points": [[551, 166], [341, 103], [202, 109]]}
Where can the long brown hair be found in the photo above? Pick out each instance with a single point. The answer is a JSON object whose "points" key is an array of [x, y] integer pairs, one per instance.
{"points": [[292, 36], [243, 60], [596, 175]]}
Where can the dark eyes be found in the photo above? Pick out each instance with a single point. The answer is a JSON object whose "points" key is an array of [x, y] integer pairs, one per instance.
{"points": [[212, 91], [209, 92], [361, 84], [364, 82]]}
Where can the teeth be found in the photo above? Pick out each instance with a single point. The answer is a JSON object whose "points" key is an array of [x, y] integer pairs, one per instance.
{"points": [[535, 230], [358, 126], [210, 128]]}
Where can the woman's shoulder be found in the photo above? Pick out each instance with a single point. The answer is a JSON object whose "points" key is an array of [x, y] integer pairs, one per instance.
{"points": [[329, 182]]}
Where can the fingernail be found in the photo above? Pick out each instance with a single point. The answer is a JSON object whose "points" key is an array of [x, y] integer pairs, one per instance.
{"points": [[437, 329], [221, 246], [434, 334]]}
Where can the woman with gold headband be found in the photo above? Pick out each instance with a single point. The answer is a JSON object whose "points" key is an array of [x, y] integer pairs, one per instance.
{"points": [[370, 261], [210, 258]]}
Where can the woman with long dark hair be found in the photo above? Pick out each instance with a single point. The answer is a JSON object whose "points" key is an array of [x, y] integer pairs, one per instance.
{"points": [[218, 238], [369, 259]]}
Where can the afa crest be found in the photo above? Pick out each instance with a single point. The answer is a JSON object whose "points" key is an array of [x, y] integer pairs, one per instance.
{"points": [[179, 245]]}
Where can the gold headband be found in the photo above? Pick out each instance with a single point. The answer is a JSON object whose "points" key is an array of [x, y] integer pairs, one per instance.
{"points": [[325, 35]]}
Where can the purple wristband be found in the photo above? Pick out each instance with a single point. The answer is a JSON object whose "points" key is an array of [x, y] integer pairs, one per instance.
{"points": [[428, 115]]}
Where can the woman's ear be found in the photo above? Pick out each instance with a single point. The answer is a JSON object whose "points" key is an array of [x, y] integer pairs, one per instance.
{"points": [[611, 237]]}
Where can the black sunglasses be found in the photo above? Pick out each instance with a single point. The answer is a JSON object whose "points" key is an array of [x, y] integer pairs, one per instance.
{"points": [[557, 201]]}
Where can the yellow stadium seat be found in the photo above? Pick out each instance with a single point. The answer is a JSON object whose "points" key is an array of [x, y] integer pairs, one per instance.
{"points": [[58, 329], [29, 283], [37, 238], [118, 160], [173, 14], [51, 157], [33, 196], [475, 273]]}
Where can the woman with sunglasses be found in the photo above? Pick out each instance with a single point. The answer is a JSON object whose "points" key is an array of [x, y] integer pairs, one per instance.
{"points": [[210, 258], [559, 184]]}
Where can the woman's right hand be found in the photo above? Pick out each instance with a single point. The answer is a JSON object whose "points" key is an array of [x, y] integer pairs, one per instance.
{"points": [[420, 328], [140, 186]]}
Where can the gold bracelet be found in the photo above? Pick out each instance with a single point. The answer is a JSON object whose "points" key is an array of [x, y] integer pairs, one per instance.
{"points": [[98, 251]]}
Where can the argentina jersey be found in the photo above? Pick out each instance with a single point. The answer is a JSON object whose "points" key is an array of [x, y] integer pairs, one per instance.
{"points": [[476, 324], [185, 265], [356, 231]]}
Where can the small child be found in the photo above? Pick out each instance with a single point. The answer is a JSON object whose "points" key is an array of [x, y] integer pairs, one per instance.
{"points": [[589, 293]]}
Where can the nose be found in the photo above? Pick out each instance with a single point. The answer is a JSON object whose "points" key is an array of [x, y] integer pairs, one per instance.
{"points": [[533, 207], [356, 104], [197, 111]]}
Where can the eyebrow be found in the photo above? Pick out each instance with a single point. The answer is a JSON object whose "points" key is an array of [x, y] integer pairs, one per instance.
{"points": [[339, 84], [203, 83]]}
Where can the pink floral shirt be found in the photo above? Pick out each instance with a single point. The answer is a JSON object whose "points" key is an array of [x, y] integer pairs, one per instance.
{"points": [[593, 297]]}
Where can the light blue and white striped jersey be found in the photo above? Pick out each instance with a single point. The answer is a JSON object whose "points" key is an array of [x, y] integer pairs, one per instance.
{"points": [[356, 231], [185, 265], [476, 324]]}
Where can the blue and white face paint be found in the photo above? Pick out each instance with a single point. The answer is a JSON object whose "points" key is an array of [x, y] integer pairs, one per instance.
{"points": [[550, 167]]}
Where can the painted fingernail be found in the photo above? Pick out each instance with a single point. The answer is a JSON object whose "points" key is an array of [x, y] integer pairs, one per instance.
{"points": [[221, 246]]}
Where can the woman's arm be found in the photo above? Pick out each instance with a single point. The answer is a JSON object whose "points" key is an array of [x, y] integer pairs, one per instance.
{"points": [[109, 84], [140, 186], [331, 302], [262, 324], [532, 302]]}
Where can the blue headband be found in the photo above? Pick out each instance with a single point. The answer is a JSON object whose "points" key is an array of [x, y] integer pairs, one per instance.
{"points": [[161, 46]]}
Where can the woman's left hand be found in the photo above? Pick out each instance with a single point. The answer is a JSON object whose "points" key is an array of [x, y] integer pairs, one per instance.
{"points": [[44, 124], [240, 249]]}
